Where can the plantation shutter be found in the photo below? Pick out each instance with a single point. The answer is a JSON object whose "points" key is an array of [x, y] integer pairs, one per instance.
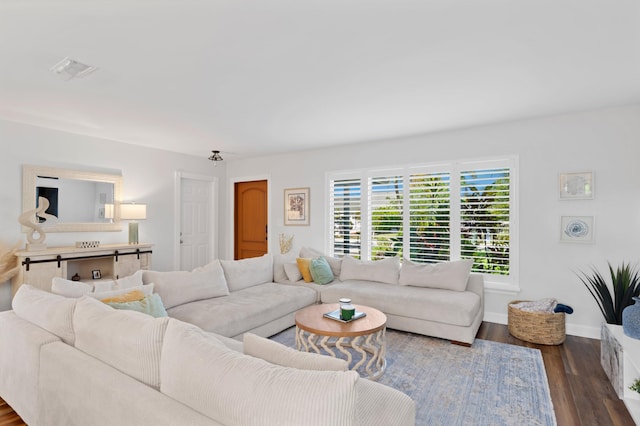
{"points": [[485, 202], [385, 195], [345, 197], [429, 217]]}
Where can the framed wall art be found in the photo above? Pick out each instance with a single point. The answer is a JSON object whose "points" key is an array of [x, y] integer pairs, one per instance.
{"points": [[577, 229], [296, 206], [576, 186]]}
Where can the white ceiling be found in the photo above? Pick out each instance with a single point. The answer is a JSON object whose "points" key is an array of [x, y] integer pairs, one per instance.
{"points": [[250, 77]]}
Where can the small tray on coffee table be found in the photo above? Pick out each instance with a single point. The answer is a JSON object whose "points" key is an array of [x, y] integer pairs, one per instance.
{"points": [[335, 315]]}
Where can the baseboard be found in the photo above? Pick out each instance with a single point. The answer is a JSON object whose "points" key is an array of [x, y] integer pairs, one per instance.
{"points": [[571, 329]]}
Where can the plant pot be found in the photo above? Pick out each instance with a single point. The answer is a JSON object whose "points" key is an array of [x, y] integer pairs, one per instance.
{"points": [[631, 319]]}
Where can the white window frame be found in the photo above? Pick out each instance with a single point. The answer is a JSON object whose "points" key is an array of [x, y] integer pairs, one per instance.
{"points": [[507, 284]]}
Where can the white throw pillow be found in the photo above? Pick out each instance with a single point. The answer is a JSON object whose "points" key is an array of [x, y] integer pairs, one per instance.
{"points": [[50, 311], [69, 288], [384, 271], [145, 289], [104, 285], [248, 272], [243, 390], [134, 280], [276, 353], [127, 340], [180, 287], [292, 271], [446, 275], [279, 260]]}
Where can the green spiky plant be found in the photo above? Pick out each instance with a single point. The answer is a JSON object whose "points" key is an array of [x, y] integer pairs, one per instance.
{"points": [[635, 386], [626, 285]]}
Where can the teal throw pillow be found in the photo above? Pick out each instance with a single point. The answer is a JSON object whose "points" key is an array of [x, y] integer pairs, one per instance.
{"points": [[320, 271], [150, 305]]}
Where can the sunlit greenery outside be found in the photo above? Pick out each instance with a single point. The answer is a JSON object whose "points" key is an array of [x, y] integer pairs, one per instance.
{"points": [[483, 226]]}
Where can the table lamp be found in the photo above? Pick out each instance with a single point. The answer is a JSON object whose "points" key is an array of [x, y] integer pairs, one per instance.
{"points": [[133, 212]]}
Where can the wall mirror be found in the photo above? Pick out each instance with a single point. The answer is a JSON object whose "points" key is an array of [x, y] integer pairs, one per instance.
{"points": [[82, 201]]}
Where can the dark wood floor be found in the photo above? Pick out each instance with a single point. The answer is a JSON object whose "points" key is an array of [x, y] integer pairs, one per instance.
{"points": [[580, 391]]}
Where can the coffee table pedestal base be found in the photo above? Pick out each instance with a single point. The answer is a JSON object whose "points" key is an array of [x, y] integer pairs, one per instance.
{"points": [[370, 348]]}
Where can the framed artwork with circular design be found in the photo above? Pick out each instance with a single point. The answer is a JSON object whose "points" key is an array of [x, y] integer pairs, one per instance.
{"points": [[577, 229]]}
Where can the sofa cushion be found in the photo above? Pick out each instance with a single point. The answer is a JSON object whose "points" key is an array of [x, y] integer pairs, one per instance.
{"points": [[304, 265], [430, 304], [242, 390], [248, 272], [150, 305], [50, 311], [446, 275], [385, 270], [69, 288], [275, 353], [128, 341], [245, 309], [126, 297], [320, 271], [179, 287], [134, 280]]}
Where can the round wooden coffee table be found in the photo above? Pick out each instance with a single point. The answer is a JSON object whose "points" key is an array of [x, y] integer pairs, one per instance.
{"points": [[365, 336]]}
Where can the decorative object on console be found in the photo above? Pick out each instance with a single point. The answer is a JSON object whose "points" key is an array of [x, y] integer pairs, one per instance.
{"points": [[296, 206], [133, 212], [285, 243], [96, 274], [576, 229], [631, 319], [8, 264], [576, 186], [87, 244], [28, 219], [215, 157], [626, 286]]}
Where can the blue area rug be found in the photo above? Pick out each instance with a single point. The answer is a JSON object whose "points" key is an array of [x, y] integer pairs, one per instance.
{"points": [[487, 384]]}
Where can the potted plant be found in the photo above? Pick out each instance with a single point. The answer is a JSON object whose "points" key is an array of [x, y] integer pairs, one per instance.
{"points": [[635, 386], [625, 283]]}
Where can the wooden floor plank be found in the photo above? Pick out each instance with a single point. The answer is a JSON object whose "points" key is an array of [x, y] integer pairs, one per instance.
{"points": [[580, 391]]}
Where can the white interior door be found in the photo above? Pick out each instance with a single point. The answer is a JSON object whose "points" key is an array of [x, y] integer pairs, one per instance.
{"points": [[197, 222]]}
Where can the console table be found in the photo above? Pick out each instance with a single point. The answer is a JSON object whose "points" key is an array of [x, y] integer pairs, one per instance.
{"points": [[113, 261], [620, 359]]}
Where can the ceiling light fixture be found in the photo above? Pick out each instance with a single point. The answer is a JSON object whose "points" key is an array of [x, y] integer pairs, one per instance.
{"points": [[70, 68], [215, 157]]}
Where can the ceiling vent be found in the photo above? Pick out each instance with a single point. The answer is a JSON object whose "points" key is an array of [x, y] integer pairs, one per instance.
{"points": [[70, 68]]}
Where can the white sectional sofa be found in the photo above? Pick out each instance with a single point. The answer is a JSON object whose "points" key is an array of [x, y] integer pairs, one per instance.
{"points": [[443, 300], [67, 361]]}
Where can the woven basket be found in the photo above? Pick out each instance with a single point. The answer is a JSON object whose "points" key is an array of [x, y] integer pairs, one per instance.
{"points": [[544, 328]]}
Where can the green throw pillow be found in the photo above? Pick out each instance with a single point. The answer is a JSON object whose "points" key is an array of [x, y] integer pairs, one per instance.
{"points": [[150, 305], [321, 271]]}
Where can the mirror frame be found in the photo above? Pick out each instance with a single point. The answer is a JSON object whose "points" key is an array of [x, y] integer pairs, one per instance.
{"points": [[30, 174]]}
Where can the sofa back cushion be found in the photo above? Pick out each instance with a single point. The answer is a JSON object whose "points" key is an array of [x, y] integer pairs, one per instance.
{"points": [[279, 260], [384, 271], [334, 262], [69, 288], [180, 287], [276, 353], [126, 340], [50, 311], [248, 272], [445, 275], [233, 388]]}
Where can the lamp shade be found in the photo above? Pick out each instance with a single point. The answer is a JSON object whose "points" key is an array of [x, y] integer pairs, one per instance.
{"points": [[133, 211]]}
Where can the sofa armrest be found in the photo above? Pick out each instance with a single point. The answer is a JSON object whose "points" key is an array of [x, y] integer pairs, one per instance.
{"points": [[20, 346], [380, 405], [476, 284]]}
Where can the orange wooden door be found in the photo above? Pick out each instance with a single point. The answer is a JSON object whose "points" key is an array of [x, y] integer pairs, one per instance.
{"points": [[251, 233]]}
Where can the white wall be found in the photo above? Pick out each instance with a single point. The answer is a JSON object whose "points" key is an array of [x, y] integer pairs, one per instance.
{"points": [[606, 142], [148, 176]]}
